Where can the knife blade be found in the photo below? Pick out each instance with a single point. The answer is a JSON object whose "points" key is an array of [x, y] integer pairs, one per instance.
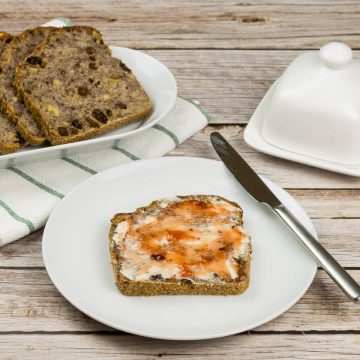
{"points": [[242, 172], [254, 185]]}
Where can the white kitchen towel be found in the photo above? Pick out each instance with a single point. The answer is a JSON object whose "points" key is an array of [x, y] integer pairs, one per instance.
{"points": [[28, 193]]}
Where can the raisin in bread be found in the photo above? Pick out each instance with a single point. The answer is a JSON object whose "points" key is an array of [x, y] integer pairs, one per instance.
{"points": [[15, 52], [76, 89], [188, 245], [10, 140]]}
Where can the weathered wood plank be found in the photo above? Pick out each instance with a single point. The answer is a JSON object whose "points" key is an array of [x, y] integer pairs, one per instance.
{"points": [[285, 173], [199, 24], [329, 203], [339, 236], [228, 83], [245, 347], [30, 302], [25, 252]]}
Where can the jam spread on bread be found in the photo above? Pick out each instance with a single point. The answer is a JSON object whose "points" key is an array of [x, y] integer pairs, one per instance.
{"points": [[190, 240]]}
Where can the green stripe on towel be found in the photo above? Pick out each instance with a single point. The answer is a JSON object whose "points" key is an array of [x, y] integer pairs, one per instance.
{"points": [[79, 165], [15, 216], [167, 132], [36, 182], [125, 152], [191, 101]]}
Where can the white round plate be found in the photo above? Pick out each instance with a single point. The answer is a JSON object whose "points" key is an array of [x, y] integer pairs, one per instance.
{"points": [[155, 78], [76, 252]]}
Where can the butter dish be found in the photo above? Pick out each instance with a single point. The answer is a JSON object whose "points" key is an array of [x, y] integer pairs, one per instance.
{"points": [[311, 114]]}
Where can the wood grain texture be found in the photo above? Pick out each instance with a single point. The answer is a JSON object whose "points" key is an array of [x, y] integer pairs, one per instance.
{"points": [[245, 347], [29, 302], [250, 24], [228, 83], [287, 174]]}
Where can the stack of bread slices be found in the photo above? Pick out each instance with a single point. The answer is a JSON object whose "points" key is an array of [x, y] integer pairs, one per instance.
{"points": [[59, 85]]}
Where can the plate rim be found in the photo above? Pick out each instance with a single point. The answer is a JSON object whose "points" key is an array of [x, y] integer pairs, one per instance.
{"points": [[96, 140], [177, 338]]}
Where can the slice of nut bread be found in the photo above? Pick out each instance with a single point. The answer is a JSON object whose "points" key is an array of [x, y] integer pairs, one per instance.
{"points": [[15, 52], [76, 89], [9, 138], [187, 245]]}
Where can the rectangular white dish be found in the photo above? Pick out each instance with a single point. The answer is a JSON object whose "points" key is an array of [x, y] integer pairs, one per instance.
{"points": [[157, 81]]}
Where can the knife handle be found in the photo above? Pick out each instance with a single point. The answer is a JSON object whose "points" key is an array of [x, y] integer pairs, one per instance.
{"points": [[348, 285]]}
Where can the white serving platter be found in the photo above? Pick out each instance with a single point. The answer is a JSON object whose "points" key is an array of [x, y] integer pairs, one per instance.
{"points": [[157, 81]]}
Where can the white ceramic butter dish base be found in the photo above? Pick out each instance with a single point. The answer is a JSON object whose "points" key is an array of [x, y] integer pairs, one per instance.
{"points": [[253, 137]]}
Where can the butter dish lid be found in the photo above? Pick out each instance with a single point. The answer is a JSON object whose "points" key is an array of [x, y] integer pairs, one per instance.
{"points": [[315, 106]]}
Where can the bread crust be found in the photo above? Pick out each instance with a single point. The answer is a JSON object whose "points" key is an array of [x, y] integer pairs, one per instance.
{"points": [[9, 142], [173, 287], [50, 133], [31, 137], [7, 148]]}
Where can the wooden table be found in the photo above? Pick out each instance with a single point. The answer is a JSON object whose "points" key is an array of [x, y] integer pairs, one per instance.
{"points": [[224, 54]]}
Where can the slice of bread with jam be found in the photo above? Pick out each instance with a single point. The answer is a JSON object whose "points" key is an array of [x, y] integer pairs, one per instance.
{"points": [[187, 245]]}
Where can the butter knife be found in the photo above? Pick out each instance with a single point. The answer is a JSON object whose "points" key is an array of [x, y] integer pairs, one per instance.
{"points": [[253, 184]]}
